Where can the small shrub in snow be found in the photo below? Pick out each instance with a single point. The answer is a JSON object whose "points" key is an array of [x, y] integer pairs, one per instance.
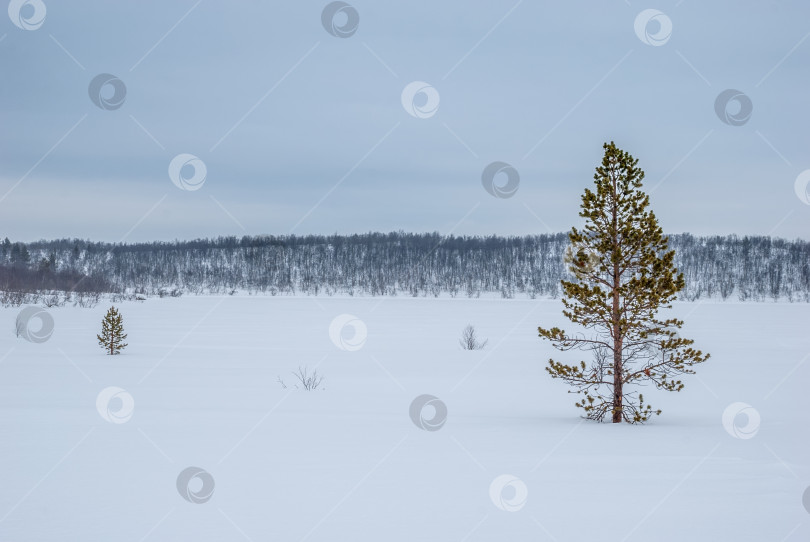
{"points": [[306, 380], [469, 340]]}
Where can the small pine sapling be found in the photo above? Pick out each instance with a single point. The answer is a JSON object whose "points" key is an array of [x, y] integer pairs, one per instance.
{"points": [[112, 334]]}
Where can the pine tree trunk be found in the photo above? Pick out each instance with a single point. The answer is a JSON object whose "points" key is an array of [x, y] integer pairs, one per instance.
{"points": [[615, 316], [617, 361]]}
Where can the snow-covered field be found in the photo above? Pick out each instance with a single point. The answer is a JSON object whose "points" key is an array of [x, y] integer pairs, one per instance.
{"points": [[348, 463]]}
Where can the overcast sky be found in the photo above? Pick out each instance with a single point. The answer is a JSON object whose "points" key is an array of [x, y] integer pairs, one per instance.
{"points": [[293, 120]]}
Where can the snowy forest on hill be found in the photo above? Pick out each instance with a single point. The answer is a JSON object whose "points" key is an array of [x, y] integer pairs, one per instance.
{"points": [[747, 268]]}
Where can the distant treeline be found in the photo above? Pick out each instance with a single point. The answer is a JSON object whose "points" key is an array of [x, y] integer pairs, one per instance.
{"points": [[747, 268]]}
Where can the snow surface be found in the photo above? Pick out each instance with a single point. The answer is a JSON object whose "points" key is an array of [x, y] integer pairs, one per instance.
{"points": [[348, 463]]}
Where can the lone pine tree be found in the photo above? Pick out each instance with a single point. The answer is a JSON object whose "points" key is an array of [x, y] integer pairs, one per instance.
{"points": [[624, 273], [112, 332]]}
